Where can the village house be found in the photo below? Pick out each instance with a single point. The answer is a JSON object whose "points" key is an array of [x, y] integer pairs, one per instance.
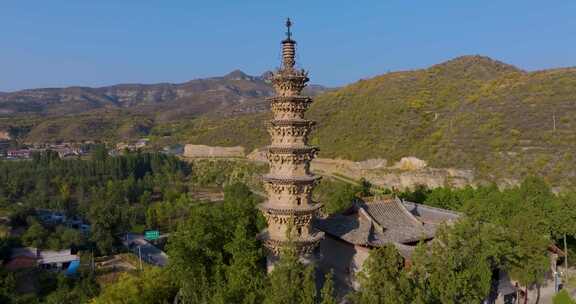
{"points": [[19, 153], [29, 257]]}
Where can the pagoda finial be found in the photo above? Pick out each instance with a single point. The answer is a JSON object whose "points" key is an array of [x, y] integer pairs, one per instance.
{"points": [[288, 48], [288, 32]]}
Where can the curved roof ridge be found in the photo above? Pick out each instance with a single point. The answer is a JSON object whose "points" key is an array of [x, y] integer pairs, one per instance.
{"points": [[398, 202], [370, 219], [388, 213], [433, 208]]}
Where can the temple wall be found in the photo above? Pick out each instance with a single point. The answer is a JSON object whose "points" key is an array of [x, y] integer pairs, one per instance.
{"points": [[343, 258], [201, 151]]}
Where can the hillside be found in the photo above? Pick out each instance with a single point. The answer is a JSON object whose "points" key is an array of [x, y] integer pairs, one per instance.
{"points": [[471, 112]]}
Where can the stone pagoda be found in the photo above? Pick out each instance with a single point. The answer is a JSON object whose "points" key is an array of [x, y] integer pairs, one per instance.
{"points": [[290, 210]]}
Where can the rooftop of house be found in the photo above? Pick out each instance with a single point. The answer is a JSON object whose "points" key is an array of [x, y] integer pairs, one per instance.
{"points": [[60, 256], [29, 252], [380, 221], [44, 256]]}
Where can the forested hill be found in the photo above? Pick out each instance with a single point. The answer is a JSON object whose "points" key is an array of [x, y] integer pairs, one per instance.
{"points": [[469, 112]]}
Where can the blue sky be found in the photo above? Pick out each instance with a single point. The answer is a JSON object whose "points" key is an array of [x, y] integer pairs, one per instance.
{"points": [[70, 42]]}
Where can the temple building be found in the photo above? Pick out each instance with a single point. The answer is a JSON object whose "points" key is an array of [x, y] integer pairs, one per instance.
{"points": [[375, 222], [289, 209]]}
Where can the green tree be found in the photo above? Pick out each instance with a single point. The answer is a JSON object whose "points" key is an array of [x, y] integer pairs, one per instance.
{"points": [[327, 292], [196, 254], [35, 235], [7, 286], [211, 259], [245, 276], [563, 297], [153, 286], [383, 279], [99, 153], [419, 277], [290, 282], [459, 267], [73, 290], [339, 197]]}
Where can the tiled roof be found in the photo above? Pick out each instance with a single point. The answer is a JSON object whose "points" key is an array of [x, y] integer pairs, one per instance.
{"points": [[429, 214], [381, 222], [30, 252], [354, 229], [398, 224]]}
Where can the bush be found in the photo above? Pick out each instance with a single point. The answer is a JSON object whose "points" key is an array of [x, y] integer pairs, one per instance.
{"points": [[563, 297]]}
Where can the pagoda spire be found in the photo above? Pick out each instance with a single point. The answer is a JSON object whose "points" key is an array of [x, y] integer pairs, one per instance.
{"points": [[288, 48], [289, 209], [288, 25]]}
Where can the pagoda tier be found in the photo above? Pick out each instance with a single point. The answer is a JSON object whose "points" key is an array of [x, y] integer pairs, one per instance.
{"points": [[289, 192], [289, 132], [291, 161], [289, 107], [304, 246], [280, 220], [289, 82]]}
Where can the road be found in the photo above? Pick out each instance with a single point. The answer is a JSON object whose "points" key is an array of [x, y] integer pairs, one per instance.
{"points": [[148, 252]]}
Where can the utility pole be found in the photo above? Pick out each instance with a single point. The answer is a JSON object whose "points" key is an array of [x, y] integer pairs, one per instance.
{"points": [[565, 256], [140, 257]]}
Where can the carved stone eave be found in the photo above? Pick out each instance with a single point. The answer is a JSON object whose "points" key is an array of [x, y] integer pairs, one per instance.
{"points": [[303, 246], [289, 99], [293, 150], [300, 123], [289, 211], [290, 75], [292, 180], [291, 189]]}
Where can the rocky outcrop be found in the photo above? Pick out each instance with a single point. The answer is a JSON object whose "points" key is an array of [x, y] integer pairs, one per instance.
{"points": [[411, 163], [202, 151], [408, 173]]}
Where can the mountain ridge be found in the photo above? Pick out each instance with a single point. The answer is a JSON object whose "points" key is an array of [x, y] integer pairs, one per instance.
{"points": [[196, 96]]}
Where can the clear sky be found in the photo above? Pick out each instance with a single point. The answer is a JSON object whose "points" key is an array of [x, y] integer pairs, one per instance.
{"points": [[100, 42]]}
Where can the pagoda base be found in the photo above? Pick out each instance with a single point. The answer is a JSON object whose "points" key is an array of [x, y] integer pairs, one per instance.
{"points": [[310, 259]]}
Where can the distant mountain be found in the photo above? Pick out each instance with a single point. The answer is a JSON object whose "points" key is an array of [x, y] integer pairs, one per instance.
{"points": [[233, 93], [470, 112]]}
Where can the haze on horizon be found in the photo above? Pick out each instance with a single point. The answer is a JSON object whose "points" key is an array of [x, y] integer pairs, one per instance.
{"points": [[68, 43]]}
